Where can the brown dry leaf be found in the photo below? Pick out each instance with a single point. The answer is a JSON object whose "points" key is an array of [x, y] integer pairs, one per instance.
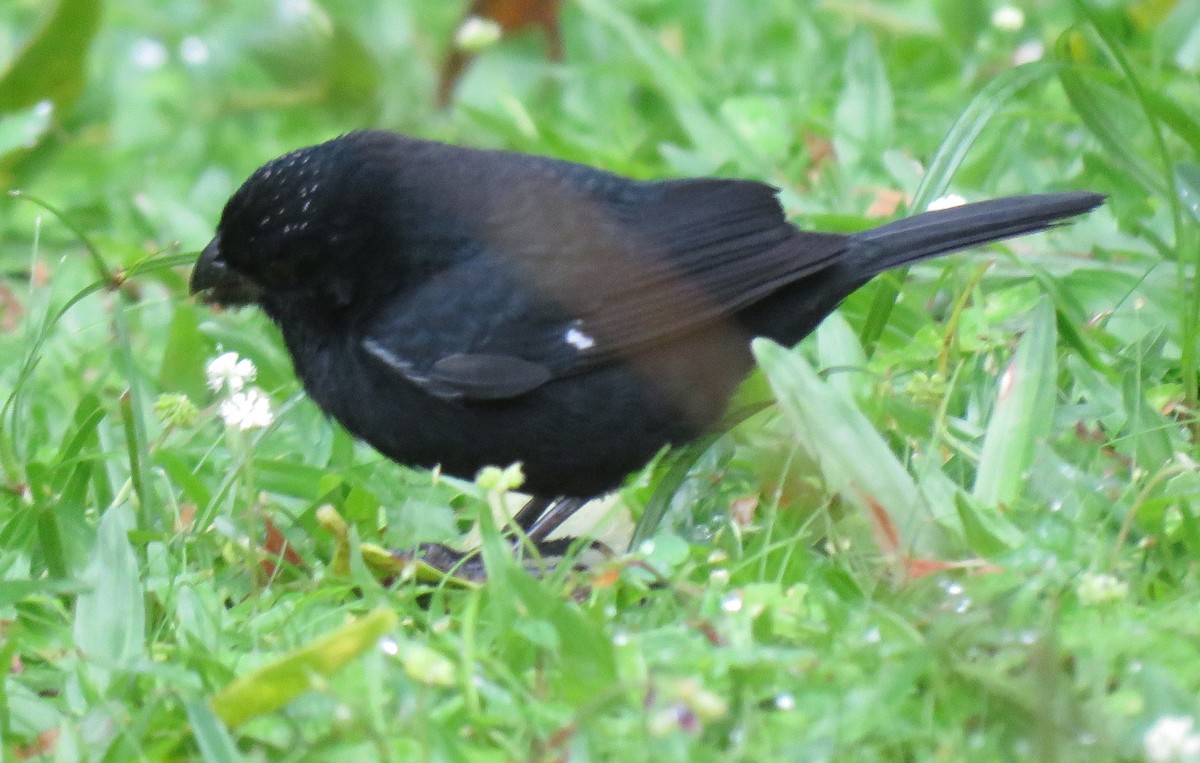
{"points": [[512, 16], [187, 516], [820, 151], [886, 534], [911, 567], [742, 510], [41, 274], [43, 744], [607, 577], [276, 546], [11, 310], [885, 203]]}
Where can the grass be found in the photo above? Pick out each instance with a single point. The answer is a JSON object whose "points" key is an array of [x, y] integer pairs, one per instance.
{"points": [[965, 526]]}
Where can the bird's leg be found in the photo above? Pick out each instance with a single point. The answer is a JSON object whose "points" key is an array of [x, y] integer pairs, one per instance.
{"points": [[537, 519], [542, 516], [529, 514], [551, 518]]}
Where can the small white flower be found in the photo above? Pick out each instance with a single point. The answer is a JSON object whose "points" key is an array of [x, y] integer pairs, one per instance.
{"points": [[1100, 588], [229, 371], [193, 51], [148, 53], [1028, 52], [946, 202], [389, 646], [247, 410], [785, 702], [293, 10], [1172, 740], [476, 33], [1009, 18]]}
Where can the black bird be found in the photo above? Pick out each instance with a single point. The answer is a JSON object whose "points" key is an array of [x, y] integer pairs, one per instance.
{"points": [[464, 307]]}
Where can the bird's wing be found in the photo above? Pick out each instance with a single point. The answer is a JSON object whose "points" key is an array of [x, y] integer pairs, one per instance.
{"points": [[635, 263], [471, 333], [465, 376], [582, 273]]}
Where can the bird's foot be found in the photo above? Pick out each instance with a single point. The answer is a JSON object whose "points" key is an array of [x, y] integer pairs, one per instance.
{"points": [[468, 566], [437, 563]]}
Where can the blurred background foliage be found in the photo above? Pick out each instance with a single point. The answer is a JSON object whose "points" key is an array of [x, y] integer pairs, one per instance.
{"points": [[133, 548]]}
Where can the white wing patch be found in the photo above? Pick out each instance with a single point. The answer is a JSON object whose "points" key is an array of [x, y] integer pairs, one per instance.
{"points": [[578, 339]]}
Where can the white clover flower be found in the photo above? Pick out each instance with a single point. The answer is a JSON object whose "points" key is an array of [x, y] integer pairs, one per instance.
{"points": [[250, 409], [1100, 588], [293, 10], [193, 51], [389, 646], [946, 202], [733, 602], [1009, 18], [1172, 739], [476, 33], [1028, 52], [148, 53], [228, 371]]}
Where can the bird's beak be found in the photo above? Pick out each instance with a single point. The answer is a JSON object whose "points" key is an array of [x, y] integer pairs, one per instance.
{"points": [[215, 283]]}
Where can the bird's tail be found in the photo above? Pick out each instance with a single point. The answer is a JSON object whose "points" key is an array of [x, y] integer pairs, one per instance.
{"points": [[927, 235]]}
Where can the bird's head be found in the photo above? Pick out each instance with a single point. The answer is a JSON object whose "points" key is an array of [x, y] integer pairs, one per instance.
{"points": [[294, 230]]}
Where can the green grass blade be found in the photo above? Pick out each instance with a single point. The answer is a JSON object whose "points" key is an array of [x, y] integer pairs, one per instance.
{"points": [[215, 743], [1023, 412], [950, 155], [110, 619], [275, 684], [854, 459]]}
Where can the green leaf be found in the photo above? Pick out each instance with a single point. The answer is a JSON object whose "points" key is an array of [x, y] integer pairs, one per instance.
{"points": [[178, 467], [949, 157], [1023, 413], [987, 531], [864, 120], [53, 65], [182, 367], [110, 619], [678, 83], [1147, 430], [14, 591], [853, 457], [275, 684], [756, 120], [1116, 119], [288, 477], [678, 462], [22, 129], [213, 738], [841, 355], [353, 71]]}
